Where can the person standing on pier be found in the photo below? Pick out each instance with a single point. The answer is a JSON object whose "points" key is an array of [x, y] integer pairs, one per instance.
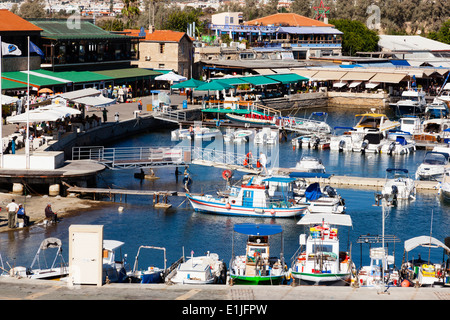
{"points": [[105, 114], [263, 162], [21, 215], [12, 208]]}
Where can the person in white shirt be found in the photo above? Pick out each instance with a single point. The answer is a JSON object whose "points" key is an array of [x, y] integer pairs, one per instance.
{"points": [[263, 162], [12, 208]]}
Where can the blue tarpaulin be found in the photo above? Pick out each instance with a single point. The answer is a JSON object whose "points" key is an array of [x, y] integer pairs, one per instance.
{"points": [[313, 191], [309, 175], [258, 229]]}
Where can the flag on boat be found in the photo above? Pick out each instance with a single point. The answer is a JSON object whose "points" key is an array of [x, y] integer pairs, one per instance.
{"points": [[10, 49]]}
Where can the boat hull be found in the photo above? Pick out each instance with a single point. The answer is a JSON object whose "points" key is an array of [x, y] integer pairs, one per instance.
{"points": [[209, 205], [257, 280], [322, 278], [238, 118]]}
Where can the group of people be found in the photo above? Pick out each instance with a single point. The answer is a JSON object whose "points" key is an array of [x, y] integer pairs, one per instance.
{"points": [[261, 162], [17, 211]]}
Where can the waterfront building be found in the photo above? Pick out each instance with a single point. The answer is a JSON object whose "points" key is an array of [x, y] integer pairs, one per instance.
{"points": [[164, 49], [305, 37]]}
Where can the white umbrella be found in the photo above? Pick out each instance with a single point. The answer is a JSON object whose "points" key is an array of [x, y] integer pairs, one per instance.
{"points": [[61, 109], [170, 76], [37, 116], [8, 99]]}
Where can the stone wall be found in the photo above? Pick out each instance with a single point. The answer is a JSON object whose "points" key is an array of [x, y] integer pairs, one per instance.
{"points": [[358, 99]]}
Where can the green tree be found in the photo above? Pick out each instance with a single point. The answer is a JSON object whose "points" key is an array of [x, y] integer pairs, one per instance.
{"points": [[443, 35], [356, 36], [178, 20], [302, 7], [130, 12]]}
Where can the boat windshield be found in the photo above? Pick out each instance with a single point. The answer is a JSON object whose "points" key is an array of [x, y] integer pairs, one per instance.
{"points": [[369, 122], [435, 159]]}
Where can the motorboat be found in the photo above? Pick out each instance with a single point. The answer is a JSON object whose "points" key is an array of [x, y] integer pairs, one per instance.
{"points": [[315, 124], [444, 94], [242, 136], [444, 188], [437, 109], [318, 142], [207, 269], [318, 200], [398, 186], [150, 275], [373, 120], [433, 130], [265, 197], [266, 136], [423, 272], [372, 142], [412, 102], [253, 118], [310, 164], [344, 142], [401, 145], [258, 266], [196, 133], [319, 260], [115, 265], [409, 125], [433, 166], [39, 269]]}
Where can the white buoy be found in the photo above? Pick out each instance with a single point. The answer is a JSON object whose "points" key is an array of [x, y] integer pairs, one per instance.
{"points": [[121, 209]]}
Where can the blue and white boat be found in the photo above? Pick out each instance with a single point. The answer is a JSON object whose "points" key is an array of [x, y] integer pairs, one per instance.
{"points": [[266, 197], [150, 275]]}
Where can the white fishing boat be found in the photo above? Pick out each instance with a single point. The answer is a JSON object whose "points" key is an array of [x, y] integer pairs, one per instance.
{"points": [[39, 269], [115, 265], [318, 200], [319, 260], [398, 186], [310, 164], [196, 133], [400, 145], [150, 275], [253, 118], [433, 166], [412, 102], [208, 269], [444, 188], [424, 272], [378, 272], [270, 197], [258, 266]]}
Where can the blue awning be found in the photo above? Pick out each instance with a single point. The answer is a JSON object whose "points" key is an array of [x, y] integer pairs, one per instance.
{"points": [[309, 30], [279, 179], [253, 229], [309, 175]]}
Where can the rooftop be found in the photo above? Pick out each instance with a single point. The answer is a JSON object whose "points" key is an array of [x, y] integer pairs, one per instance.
{"points": [[411, 43], [288, 19], [158, 35], [12, 22]]}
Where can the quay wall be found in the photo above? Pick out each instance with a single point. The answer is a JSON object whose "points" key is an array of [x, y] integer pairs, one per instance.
{"points": [[358, 99], [298, 100]]}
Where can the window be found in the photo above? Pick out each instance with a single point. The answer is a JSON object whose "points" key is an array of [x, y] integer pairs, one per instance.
{"points": [[161, 47], [161, 66]]}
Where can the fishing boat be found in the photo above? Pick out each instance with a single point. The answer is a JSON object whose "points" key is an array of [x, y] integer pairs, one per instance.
{"points": [[310, 164], [412, 102], [115, 265], [319, 261], [207, 269], [315, 124], [444, 188], [379, 272], [270, 197], [150, 275], [257, 266], [433, 166], [196, 133], [318, 200], [424, 272], [398, 186], [39, 269]]}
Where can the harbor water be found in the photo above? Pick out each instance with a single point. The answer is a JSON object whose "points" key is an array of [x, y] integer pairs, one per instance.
{"points": [[180, 228]]}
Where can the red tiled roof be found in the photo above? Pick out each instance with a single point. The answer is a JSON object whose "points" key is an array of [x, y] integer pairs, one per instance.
{"points": [[158, 35], [288, 19], [11, 22]]}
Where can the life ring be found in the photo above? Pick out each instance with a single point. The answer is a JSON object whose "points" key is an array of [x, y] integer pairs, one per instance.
{"points": [[228, 206], [226, 174], [272, 211]]}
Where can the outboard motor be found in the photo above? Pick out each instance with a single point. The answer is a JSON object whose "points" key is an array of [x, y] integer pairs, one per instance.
{"points": [[316, 143], [341, 145], [391, 148], [364, 146], [330, 191]]}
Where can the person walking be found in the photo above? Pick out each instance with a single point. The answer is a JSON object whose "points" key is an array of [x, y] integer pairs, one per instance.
{"points": [[12, 208], [140, 105], [263, 162]]}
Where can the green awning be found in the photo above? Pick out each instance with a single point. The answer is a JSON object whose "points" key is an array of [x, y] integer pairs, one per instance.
{"points": [[65, 29], [259, 80], [35, 80], [287, 78], [213, 86], [191, 83], [128, 73], [231, 81], [75, 76], [8, 85]]}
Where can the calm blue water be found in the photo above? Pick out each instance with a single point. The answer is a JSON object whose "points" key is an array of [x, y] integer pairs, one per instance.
{"points": [[178, 227]]}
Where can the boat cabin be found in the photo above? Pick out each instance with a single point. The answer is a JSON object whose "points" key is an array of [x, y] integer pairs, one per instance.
{"points": [[410, 124], [414, 96], [436, 158]]}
